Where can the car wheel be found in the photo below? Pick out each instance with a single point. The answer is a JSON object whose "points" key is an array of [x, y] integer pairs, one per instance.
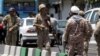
{"points": [[52, 43], [23, 43], [20, 36]]}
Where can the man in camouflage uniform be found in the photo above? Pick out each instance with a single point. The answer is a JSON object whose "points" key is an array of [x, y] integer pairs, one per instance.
{"points": [[88, 36], [97, 35], [11, 22], [42, 23], [75, 32]]}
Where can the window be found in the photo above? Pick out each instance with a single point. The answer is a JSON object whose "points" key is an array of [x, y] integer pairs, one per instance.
{"points": [[21, 22], [94, 17], [29, 22], [87, 15], [61, 24]]}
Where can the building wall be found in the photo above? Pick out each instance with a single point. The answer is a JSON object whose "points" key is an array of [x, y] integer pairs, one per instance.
{"points": [[65, 9]]}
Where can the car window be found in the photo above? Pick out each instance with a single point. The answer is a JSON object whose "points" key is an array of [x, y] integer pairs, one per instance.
{"points": [[21, 22], [29, 22], [87, 15], [94, 17], [61, 24]]}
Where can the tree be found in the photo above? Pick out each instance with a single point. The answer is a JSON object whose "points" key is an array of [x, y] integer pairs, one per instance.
{"points": [[80, 4], [93, 1]]}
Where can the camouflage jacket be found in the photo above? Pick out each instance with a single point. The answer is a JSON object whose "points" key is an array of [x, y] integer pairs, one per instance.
{"points": [[11, 22], [42, 21], [97, 30], [73, 33]]}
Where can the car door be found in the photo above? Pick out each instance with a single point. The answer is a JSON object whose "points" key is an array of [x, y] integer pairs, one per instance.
{"points": [[94, 18], [88, 15]]}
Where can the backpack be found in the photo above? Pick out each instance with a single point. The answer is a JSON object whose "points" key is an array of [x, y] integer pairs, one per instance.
{"points": [[78, 31]]}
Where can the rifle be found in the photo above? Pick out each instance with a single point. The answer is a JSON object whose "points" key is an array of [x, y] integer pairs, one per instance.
{"points": [[39, 26]]}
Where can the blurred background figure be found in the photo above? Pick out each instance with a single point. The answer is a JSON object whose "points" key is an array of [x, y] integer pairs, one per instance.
{"points": [[54, 26], [89, 34], [11, 21], [2, 32], [97, 34], [31, 15], [81, 13]]}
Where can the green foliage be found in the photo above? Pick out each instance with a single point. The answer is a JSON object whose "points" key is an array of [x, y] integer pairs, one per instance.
{"points": [[93, 1]]}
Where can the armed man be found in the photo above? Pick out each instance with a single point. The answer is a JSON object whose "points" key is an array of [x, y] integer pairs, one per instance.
{"points": [[88, 36], [74, 34], [43, 25], [11, 22], [97, 34]]}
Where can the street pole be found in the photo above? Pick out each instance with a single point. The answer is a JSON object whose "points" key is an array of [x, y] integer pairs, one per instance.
{"points": [[60, 9], [37, 2]]}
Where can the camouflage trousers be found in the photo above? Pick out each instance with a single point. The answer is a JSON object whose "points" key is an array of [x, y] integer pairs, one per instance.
{"points": [[76, 49], [44, 40], [11, 38], [86, 46], [98, 45]]}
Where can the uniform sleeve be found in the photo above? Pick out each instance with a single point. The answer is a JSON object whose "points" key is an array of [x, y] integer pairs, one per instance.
{"points": [[35, 21], [97, 30], [66, 32], [5, 20], [49, 21], [88, 30], [16, 24]]}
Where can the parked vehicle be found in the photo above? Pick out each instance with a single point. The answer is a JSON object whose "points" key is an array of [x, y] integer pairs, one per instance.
{"points": [[93, 17], [28, 33], [60, 29]]}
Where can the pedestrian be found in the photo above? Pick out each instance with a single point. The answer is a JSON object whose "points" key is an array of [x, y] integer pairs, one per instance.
{"points": [[1, 29], [11, 22], [74, 33], [1, 32], [88, 36], [31, 15], [43, 24], [97, 34], [54, 26]]}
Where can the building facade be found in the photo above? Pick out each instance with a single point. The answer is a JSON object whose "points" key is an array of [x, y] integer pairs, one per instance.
{"points": [[60, 8]]}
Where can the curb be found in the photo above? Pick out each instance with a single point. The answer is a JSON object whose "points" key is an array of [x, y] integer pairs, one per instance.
{"points": [[24, 51]]}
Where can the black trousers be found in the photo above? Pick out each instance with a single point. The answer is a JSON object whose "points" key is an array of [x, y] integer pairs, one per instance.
{"points": [[1, 35]]}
